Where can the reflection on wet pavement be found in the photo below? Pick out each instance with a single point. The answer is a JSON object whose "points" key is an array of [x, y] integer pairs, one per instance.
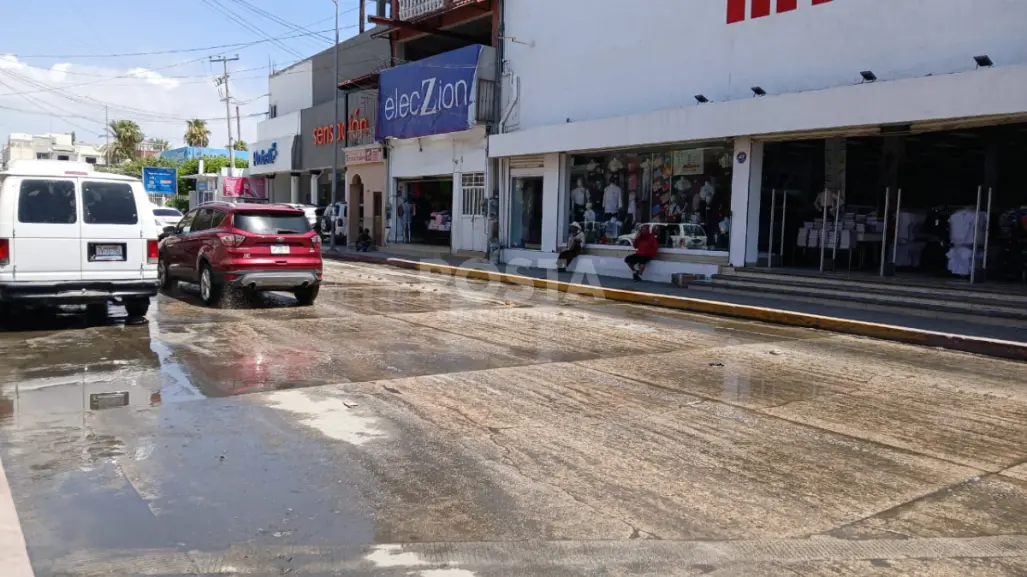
{"points": [[407, 423]]}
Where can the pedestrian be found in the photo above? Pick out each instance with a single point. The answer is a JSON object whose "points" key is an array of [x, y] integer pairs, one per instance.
{"points": [[575, 244], [364, 241], [646, 246]]}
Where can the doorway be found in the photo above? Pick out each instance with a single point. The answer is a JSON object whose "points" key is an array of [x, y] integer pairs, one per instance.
{"points": [[526, 212], [355, 200], [471, 235]]}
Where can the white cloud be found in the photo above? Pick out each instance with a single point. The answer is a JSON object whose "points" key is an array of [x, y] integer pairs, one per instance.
{"points": [[70, 97]]}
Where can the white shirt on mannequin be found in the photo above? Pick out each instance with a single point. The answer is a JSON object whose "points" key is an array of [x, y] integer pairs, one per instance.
{"points": [[612, 199]]}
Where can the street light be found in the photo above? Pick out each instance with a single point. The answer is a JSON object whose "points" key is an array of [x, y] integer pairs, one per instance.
{"points": [[335, 127]]}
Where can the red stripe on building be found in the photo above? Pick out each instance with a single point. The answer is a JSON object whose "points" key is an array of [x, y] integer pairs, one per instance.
{"points": [[787, 5], [760, 8], [815, 2], [735, 11]]}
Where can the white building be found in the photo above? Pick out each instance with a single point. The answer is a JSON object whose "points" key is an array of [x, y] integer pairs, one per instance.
{"points": [[275, 154], [709, 112], [50, 147]]}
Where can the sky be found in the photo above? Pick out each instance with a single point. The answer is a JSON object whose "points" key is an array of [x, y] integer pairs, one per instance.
{"points": [[62, 61]]}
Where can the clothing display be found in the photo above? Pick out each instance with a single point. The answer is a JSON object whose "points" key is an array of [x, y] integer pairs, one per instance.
{"points": [[961, 227], [579, 196], [612, 199]]}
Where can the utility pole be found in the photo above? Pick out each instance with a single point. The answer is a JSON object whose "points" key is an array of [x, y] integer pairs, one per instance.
{"points": [[335, 129], [238, 123], [228, 108], [107, 132]]}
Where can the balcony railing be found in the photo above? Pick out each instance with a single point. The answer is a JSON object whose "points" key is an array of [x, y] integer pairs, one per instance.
{"points": [[416, 9]]}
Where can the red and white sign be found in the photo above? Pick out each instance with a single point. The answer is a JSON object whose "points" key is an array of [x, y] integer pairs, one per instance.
{"points": [[363, 155], [740, 10], [245, 187]]}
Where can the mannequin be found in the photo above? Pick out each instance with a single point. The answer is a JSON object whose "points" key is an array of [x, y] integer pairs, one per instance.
{"points": [[613, 199], [632, 205], [579, 196], [590, 215]]}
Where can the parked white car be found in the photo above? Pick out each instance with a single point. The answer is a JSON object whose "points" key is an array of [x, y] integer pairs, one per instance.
{"points": [[309, 210], [165, 216], [69, 235], [672, 235]]}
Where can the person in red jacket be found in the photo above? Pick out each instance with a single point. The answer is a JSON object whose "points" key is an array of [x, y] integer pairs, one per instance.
{"points": [[646, 246]]}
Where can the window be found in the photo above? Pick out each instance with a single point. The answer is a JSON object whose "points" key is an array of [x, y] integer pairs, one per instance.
{"points": [[91, 159], [202, 220], [108, 203], [271, 222], [473, 187], [217, 218], [47, 202], [168, 212], [526, 213], [186, 224], [62, 157], [612, 195]]}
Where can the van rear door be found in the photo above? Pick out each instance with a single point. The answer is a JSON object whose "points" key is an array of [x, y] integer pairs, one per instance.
{"points": [[113, 246], [47, 226]]}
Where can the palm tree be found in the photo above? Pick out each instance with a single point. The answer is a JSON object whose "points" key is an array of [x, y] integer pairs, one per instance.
{"points": [[197, 133], [127, 135], [240, 145], [159, 144]]}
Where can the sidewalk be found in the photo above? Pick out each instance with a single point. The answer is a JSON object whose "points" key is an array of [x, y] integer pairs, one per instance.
{"points": [[757, 308]]}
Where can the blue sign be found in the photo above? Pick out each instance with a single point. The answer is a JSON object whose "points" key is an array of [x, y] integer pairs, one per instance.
{"points": [[160, 180], [430, 96], [262, 157]]}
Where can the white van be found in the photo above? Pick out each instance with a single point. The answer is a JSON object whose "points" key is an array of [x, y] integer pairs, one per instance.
{"points": [[71, 235]]}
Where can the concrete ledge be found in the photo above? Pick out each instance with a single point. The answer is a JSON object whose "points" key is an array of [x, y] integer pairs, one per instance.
{"points": [[14, 556], [978, 345]]}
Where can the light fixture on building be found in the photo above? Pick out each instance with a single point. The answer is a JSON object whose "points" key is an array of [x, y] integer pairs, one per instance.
{"points": [[701, 99], [868, 76], [983, 61], [758, 91]]}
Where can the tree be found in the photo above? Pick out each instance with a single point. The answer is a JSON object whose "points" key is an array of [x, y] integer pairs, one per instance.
{"points": [[240, 145], [127, 135], [197, 133], [160, 144]]}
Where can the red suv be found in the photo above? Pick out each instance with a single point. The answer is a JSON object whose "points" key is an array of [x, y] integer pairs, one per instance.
{"points": [[255, 247]]}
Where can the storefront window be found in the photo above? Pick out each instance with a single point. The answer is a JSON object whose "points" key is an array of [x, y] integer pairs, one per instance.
{"points": [[684, 194], [526, 213]]}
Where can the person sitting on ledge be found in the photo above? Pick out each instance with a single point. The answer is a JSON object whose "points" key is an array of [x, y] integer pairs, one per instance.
{"points": [[364, 241]]}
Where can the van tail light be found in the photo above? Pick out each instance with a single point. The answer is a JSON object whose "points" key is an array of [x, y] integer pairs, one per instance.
{"points": [[5, 251], [152, 251], [229, 239]]}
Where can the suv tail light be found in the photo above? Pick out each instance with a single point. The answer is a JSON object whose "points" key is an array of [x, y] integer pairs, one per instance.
{"points": [[5, 251], [315, 241], [229, 239], [152, 251]]}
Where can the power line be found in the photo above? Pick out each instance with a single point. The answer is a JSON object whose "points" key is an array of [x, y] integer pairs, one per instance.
{"points": [[268, 15], [220, 8]]}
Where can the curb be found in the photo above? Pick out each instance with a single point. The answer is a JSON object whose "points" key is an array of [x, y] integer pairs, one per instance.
{"points": [[978, 345], [14, 555]]}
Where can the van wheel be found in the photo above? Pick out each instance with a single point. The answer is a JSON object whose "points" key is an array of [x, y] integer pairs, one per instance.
{"points": [[166, 282], [96, 314], [137, 308], [307, 296], [210, 290]]}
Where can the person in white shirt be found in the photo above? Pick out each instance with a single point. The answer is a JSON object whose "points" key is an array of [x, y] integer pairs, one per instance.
{"points": [[575, 244]]}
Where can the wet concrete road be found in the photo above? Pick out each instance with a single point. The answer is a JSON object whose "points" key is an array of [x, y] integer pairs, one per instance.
{"points": [[417, 425]]}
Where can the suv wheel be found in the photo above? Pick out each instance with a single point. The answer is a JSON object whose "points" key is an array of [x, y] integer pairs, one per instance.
{"points": [[137, 308], [166, 282], [307, 296], [210, 290]]}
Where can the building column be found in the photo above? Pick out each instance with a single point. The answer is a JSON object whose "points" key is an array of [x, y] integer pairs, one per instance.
{"points": [[746, 186], [294, 188], [269, 188], [551, 185], [313, 185]]}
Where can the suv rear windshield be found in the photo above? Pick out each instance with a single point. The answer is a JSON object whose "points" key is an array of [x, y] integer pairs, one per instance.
{"points": [[166, 212], [271, 222], [108, 203]]}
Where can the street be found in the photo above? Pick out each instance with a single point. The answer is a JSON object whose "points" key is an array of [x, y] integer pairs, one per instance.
{"points": [[411, 424]]}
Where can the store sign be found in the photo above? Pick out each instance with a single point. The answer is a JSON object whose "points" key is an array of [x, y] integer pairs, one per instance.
{"points": [[357, 124], [430, 96], [275, 155], [158, 180], [738, 10], [266, 156], [367, 155], [243, 187]]}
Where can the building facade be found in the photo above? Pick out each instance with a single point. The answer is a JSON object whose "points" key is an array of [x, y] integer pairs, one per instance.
{"points": [[22, 146], [789, 125]]}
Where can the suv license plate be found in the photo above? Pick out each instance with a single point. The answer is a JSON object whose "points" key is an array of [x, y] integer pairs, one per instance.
{"points": [[108, 252], [280, 249]]}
